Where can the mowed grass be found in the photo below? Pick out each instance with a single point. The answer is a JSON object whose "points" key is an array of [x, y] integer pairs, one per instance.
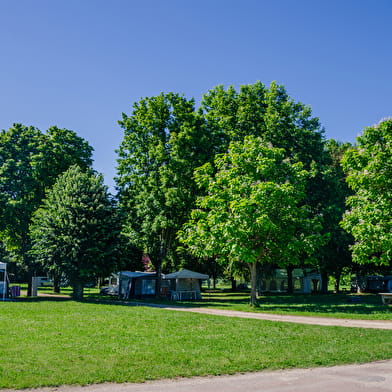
{"points": [[50, 343], [343, 305], [369, 307]]}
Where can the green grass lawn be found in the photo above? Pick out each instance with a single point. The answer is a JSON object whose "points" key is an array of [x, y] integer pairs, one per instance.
{"points": [[48, 342], [331, 305]]}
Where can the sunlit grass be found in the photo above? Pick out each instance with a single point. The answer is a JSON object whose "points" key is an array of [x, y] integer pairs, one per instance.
{"points": [[46, 342], [331, 305]]}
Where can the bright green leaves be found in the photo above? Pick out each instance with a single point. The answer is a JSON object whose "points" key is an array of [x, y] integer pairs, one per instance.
{"points": [[30, 162], [75, 232], [164, 141], [251, 208], [369, 169]]}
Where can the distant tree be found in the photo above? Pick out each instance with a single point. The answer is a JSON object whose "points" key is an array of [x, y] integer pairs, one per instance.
{"points": [[251, 211], [164, 141], [30, 162], [335, 255], [369, 174], [76, 231]]}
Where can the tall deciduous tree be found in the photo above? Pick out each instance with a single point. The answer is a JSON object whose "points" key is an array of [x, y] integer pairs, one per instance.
{"points": [[76, 231], [251, 210], [164, 141], [270, 113], [369, 169], [30, 162]]}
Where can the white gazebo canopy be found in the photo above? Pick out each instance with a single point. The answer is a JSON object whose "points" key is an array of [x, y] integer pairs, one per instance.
{"points": [[186, 274]]}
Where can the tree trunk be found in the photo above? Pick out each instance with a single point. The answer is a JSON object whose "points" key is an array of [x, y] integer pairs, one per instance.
{"points": [[159, 279], [29, 282], [233, 283], [77, 290], [337, 282], [324, 282], [290, 283], [56, 284], [253, 278]]}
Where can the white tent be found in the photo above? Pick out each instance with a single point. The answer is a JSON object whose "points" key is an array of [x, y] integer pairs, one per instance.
{"points": [[187, 274], [185, 284]]}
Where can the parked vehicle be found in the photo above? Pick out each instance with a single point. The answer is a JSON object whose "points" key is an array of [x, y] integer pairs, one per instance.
{"points": [[371, 284]]}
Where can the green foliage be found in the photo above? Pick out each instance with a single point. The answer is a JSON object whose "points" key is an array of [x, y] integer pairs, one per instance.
{"points": [[270, 113], [369, 174], [164, 141], [75, 232], [30, 162], [252, 209], [335, 254]]}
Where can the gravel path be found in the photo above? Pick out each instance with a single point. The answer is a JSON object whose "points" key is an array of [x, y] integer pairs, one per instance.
{"points": [[369, 377]]}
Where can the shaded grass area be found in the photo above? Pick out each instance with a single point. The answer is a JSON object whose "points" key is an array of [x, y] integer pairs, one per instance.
{"points": [[342, 305], [53, 342], [369, 307]]}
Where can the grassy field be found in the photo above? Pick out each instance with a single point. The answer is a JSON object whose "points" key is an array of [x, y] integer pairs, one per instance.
{"points": [[369, 307], [47, 342]]}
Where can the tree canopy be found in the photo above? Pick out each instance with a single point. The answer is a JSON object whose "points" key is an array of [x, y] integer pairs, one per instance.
{"points": [[252, 209], [369, 174], [30, 162], [76, 231], [164, 141]]}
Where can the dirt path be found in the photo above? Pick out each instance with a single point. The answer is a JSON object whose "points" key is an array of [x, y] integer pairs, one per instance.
{"points": [[326, 321], [369, 377]]}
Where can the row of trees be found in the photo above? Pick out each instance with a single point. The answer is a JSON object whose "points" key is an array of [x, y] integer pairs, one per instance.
{"points": [[55, 213], [244, 183], [206, 186]]}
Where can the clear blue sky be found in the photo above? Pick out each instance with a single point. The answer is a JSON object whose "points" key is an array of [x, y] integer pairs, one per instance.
{"points": [[79, 64]]}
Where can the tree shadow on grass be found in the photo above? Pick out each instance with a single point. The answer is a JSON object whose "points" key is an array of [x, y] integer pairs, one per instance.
{"points": [[297, 303]]}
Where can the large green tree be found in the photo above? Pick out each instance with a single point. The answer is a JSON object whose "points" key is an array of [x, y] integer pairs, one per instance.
{"points": [[30, 162], [252, 210], [164, 141], [270, 113], [76, 231], [369, 174]]}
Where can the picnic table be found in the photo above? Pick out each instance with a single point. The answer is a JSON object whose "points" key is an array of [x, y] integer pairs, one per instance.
{"points": [[179, 295], [386, 298]]}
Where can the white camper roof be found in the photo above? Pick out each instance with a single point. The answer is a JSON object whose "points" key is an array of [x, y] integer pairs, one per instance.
{"points": [[187, 274]]}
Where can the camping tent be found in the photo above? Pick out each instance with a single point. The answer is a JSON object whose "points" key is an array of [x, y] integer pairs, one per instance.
{"points": [[185, 284], [136, 284]]}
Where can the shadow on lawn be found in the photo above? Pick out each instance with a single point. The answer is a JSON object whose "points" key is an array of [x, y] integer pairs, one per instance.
{"points": [[297, 303]]}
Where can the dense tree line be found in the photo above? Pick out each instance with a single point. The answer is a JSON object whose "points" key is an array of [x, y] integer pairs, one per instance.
{"points": [[241, 184], [159, 194]]}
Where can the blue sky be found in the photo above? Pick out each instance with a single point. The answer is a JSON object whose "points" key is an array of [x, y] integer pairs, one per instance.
{"points": [[79, 64]]}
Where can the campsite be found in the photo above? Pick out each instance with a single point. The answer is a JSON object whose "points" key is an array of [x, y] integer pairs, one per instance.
{"points": [[194, 189]]}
